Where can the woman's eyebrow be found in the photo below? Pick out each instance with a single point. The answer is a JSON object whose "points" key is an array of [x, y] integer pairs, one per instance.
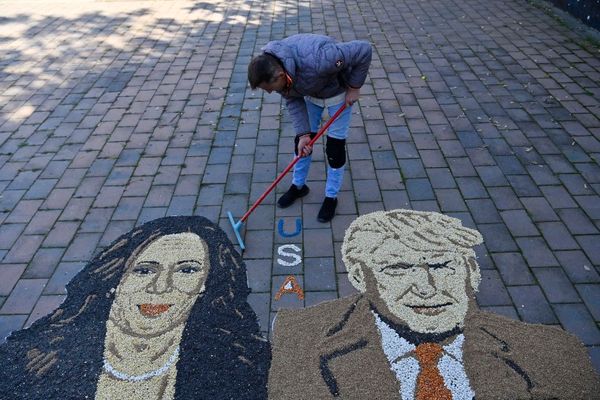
{"points": [[187, 261], [147, 262]]}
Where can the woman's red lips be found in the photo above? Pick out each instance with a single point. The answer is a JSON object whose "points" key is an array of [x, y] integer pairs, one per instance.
{"points": [[153, 310]]}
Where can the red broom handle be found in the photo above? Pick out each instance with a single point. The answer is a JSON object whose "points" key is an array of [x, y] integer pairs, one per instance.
{"points": [[291, 165]]}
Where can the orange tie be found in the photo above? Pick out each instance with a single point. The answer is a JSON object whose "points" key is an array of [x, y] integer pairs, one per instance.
{"points": [[430, 383]]}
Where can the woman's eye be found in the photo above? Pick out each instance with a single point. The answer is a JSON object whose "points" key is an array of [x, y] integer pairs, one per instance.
{"points": [[143, 271], [188, 270]]}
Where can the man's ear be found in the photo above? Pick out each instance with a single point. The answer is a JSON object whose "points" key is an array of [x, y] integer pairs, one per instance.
{"points": [[474, 274], [357, 277]]}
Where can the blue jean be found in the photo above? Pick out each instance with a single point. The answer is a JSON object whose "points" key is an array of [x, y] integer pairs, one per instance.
{"points": [[339, 130]]}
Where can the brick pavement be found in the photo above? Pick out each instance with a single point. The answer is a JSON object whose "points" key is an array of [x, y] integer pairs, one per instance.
{"points": [[113, 113]]}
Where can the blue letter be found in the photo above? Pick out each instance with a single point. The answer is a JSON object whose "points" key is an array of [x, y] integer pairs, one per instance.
{"points": [[297, 232]]}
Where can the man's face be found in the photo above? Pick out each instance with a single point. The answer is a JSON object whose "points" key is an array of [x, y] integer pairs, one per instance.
{"points": [[424, 292], [159, 289], [277, 84]]}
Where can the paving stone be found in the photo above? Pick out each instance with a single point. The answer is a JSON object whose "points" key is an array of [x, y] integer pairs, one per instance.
{"points": [[590, 204], [491, 175], [82, 248], [44, 306], [590, 294], [259, 275], [389, 179], [497, 238], [483, 211], [61, 234], [441, 178], [539, 209], [594, 353], [319, 274], [238, 183], [43, 263], [558, 197], [492, 291], [76, 209], [62, 276], [366, 190], [513, 269], [259, 244], [557, 236], [345, 288], [419, 189], [181, 205], [384, 160], [471, 188], [58, 198], [23, 297], [507, 311], [519, 223], [23, 211], [576, 319], [23, 249], [314, 298], [317, 243], [410, 168], [504, 198], [96, 220], [577, 266], [576, 221], [531, 305], [450, 200], [10, 323], [430, 158], [589, 244], [542, 175], [536, 252], [556, 285], [260, 305], [461, 167], [9, 275], [114, 230], [128, 208]]}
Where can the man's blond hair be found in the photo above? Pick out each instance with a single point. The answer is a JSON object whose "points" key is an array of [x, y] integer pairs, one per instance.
{"points": [[411, 232]]}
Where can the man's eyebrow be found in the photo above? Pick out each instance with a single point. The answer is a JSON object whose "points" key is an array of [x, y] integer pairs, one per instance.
{"points": [[147, 262], [440, 264]]}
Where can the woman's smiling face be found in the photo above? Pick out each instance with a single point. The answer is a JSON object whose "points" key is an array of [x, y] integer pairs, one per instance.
{"points": [[162, 284]]}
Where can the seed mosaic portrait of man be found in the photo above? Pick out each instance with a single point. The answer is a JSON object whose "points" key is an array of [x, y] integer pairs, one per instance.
{"points": [[162, 313], [415, 331]]}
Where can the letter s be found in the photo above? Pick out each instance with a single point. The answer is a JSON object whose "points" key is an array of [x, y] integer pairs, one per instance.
{"points": [[281, 251]]}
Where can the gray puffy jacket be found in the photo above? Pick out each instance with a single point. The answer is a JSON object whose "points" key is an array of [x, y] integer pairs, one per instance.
{"points": [[319, 67]]}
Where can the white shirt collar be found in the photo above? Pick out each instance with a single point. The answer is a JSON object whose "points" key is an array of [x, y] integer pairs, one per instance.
{"points": [[395, 346]]}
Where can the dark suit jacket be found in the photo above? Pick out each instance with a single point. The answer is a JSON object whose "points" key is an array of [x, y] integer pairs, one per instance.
{"points": [[333, 350]]}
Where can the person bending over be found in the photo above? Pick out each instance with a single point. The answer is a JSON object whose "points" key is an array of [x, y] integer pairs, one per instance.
{"points": [[314, 72]]}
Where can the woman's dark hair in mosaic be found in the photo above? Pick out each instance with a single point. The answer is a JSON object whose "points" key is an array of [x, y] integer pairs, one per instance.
{"points": [[263, 68], [222, 354]]}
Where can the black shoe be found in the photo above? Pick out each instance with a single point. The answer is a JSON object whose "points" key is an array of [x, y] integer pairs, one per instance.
{"points": [[291, 195], [327, 210]]}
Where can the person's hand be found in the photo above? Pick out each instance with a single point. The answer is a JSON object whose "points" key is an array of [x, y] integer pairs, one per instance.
{"points": [[352, 95], [303, 148]]}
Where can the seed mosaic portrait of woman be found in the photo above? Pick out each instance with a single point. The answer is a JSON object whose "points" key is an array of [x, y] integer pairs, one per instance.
{"points": [[161, 313]]}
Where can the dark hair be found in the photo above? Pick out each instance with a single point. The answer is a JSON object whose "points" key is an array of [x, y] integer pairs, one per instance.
{"points": [[263, 68], [222, 354]]}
